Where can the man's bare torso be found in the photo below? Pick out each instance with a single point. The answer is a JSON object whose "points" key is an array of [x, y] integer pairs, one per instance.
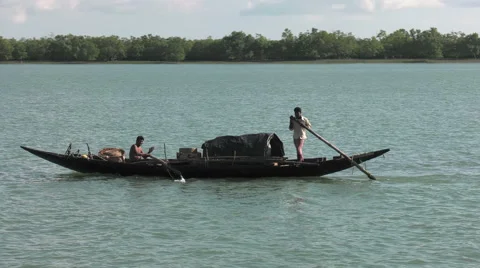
{"points": [[135, 152]]}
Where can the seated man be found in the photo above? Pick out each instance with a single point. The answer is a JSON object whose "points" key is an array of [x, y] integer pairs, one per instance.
{"points": [[136, 152]]}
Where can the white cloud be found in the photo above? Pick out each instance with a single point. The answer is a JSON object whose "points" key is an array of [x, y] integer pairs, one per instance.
{"points": [[19, 15], [368, 5], [315, 7], [19, 10], [463, 3], [73, 4], [45, 4], [400, 4]]}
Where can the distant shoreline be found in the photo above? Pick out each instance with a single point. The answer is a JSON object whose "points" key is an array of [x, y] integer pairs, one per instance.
{"points": [[333, 61]]}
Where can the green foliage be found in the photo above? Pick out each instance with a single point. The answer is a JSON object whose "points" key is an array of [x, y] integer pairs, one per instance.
{"points": [[111, 48], [314, 44], [6, 49], [37, 49], [370, 48], [176, 49], [19, 50]]}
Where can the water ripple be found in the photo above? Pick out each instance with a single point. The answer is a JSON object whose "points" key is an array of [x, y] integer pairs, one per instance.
{"points": [[421, 212]]}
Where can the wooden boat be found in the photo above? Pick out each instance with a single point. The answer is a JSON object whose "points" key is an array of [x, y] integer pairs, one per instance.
{"points": [[245, 156]]}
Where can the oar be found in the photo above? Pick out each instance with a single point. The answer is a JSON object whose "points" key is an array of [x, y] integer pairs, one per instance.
{"points": [[167, 166], [335, 148]]}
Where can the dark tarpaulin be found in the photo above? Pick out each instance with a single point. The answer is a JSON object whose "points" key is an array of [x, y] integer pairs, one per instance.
{"points": [[261, 144]]}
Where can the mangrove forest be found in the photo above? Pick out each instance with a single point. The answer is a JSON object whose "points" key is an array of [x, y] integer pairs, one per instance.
{"points": [[313, 44]]}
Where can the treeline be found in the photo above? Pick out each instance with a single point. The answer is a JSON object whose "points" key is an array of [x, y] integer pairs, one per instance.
{"points": [[239, 46]]}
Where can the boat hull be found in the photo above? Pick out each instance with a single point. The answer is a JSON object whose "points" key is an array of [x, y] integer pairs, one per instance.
{"points": [[208, 168]]}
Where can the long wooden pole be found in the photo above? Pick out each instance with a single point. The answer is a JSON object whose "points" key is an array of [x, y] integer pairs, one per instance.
{"points": [[370, 176], [167, 166]]}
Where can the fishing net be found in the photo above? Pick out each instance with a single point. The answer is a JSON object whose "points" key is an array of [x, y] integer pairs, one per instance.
{"points": [[112, 154]]}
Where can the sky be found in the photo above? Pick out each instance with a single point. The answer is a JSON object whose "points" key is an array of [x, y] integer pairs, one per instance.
{"points": [[199, 19]]}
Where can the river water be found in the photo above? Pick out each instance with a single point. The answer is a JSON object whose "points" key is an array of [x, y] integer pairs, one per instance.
{"points": [[422, 211]]}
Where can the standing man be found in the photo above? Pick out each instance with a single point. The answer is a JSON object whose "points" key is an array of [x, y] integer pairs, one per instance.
{"points": [[136, 152], [299, 133]]}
